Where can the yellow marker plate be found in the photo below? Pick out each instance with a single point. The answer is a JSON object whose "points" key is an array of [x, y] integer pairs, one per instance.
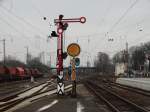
{"points": [[73, 50]]}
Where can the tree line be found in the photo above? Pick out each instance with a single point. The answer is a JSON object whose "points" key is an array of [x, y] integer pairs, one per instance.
{"points": [[33, 63], [135, 56]]}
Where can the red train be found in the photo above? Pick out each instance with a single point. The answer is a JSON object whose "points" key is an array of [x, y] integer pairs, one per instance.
{"points": [[17, 73]]}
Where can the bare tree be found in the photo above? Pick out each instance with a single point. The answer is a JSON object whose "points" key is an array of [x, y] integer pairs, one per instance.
{"points": [[103, 63]]}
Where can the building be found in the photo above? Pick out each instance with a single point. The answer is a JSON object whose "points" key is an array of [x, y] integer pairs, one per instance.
{"points": [[120, 68]]}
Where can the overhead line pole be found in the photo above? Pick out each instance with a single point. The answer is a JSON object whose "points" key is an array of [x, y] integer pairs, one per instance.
{"points": [[27, 55], [4, 51], [127, 58]]}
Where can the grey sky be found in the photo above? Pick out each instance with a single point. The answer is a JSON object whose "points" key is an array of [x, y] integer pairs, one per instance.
{"points": [[92, 36]]}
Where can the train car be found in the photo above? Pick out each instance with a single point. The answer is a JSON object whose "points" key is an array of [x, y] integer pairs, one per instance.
{"points": [[27, 73], [20, 73], [32, 72], [8, 76], [17, 73], [7, 73], [3, 75], [13, 73], [37, 73]]}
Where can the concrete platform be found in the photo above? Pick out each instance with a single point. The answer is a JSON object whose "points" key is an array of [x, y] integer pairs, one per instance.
{"points": [[85, 102], [141, 83]]}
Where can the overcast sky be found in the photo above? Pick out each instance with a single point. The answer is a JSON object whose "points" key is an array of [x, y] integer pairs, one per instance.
{"points": [[22, 24]]}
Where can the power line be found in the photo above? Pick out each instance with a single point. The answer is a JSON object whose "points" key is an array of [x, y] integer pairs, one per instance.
{"points": [[36, 8], [16, 29], [105, 14], [6, 22], [23, 20], [10, 18], [124, 14]]}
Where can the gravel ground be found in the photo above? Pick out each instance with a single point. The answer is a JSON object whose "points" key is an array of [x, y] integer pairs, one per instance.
{"points": [[85, 102], [7, 89]]}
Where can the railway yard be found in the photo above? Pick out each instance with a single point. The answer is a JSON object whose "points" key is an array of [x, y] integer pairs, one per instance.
{"points": [[74, 56], [96, 93]]}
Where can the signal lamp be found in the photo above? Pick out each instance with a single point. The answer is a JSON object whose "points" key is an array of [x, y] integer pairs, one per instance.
{"points": [[61, 16], [60, 30], [54, 34], [44, 18], [82, 19], [64, 55], [77, 61], [65, 26]]}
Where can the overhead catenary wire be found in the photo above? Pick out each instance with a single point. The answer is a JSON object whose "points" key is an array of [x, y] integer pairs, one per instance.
{"points": [[123, 15], [23, 20], [13, 22], [10, 25], [18, 30], [121, 18], [14, 28], [105, 14], [36, 8]]}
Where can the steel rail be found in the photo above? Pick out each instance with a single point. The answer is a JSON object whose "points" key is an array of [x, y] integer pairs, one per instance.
{"points": [[9, 97], [11, 104], [133, 89], [97, 91], [11, 101]]}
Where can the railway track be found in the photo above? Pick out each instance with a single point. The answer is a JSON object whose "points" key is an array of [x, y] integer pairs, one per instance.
{"points": [[15, 94], [125, 87], [14, 83], [113, 100], [30, 95], [14, 88], [136, 90], [14, 99]]}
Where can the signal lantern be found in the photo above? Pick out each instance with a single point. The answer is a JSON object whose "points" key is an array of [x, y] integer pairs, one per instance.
{"points": [[54, 34], [60, 30], [77, 61], [65, 26], [44, 18], [61, 17], [64, 55], [82, 19]]}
